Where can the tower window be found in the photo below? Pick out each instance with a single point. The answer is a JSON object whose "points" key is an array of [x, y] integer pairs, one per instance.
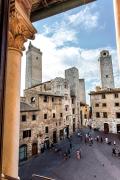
{"points": [[72, 100], [45, 116], [66, 108], [97, 114], [96, 105], [117, 114], [73, 111], [65, 86], [52, 99], [104, 114], [46, 129], [36, 57], [103, 96], [53, 115], [23, 118], [26, 133], [33, 117], [116, 104], [45, 99], [61, 114], [32, 99], [106, 76], [104, 105], [116, 95]]}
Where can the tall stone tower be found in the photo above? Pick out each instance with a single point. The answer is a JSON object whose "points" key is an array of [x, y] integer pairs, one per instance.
{"points": [[33, 66], [106, 70], [72, 76], [82, 90]]}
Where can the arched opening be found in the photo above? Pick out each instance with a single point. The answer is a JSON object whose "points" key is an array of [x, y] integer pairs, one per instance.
{"points": [[34, 149], [54, 136], [106, 127], [23, 152], [46, 143]]}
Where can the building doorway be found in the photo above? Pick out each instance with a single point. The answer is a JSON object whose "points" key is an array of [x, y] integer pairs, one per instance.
{"points": [[73, 127], [34, 149], [67, 131], [47, 143], [61, 134], [23, 152], [118, 128], [106, 128], [54, 137]]}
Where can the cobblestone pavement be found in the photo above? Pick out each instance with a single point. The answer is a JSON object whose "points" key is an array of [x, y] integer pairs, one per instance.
{"points": [[96, 163]]}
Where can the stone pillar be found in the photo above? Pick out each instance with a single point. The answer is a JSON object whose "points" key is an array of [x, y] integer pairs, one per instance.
{"points": [[117, 24], [20, 29]]}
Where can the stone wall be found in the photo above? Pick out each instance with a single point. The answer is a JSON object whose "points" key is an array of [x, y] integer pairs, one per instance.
{"points": [[110, 109], [33, 67], [106, 70], [82, 90]]}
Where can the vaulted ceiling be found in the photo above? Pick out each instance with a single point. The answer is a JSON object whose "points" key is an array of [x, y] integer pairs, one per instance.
{"points": [[45, 8]]}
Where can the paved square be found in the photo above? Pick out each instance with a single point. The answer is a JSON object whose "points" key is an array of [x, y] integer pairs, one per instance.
{"points": [[96, 163]]}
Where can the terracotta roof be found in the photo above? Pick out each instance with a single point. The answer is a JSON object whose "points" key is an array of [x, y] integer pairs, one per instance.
{"points": [[26, 107], [105, 91]]}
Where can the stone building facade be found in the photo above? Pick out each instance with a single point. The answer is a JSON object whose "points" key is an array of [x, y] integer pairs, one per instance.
{"points": [[33, 66], [82, 91], [105, 101], [106, 109], [52, 114], [106, 70], [50, 111], [84, 114]]}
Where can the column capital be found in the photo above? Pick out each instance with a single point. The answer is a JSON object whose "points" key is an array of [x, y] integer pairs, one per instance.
{"points": [[20, 27]]}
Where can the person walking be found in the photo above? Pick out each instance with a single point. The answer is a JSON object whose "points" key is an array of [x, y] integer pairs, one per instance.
{"points": [[70, 145], [85, 140], [113, 152], [68, 152], [101, 140], [97, 138], [78, 154], [114, 143], [106, 140]]}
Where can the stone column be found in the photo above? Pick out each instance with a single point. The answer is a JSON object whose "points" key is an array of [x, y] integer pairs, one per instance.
{"points": [[20, 29], [116, 4]]}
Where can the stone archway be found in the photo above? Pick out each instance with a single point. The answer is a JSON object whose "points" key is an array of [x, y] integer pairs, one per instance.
{"points": [[106, 127], [34, 149], [23, 152]]}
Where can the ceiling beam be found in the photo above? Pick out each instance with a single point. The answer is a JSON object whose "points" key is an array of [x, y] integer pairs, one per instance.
{"points": [[57, 8]]}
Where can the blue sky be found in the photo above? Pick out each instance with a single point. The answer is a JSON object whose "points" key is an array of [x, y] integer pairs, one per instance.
{"points": [[75, 38]]}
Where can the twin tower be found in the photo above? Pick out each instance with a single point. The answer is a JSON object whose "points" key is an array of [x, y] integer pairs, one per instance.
{"points": [[34, 68], [106, 70]]}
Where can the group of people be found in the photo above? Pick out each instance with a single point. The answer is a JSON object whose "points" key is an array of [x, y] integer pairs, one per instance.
{"points": [[89, 139]]}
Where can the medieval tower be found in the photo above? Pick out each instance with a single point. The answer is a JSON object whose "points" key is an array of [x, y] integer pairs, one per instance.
{"points": [[33, 66], [72, 76], [106, 70], [82, 90]]}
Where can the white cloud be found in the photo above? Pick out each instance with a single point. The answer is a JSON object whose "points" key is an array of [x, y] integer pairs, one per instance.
{"points": [[57, 42], [87, 18], [56, 60]]}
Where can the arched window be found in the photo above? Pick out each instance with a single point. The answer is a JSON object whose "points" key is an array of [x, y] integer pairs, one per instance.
{"points": [[32, 99], [34, 149]]}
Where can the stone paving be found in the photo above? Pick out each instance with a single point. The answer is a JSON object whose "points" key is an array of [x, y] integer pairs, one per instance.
{"points": [[96, 163]]}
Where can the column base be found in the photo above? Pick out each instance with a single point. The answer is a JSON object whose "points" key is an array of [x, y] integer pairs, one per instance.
{"points": [[6, 177]]}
